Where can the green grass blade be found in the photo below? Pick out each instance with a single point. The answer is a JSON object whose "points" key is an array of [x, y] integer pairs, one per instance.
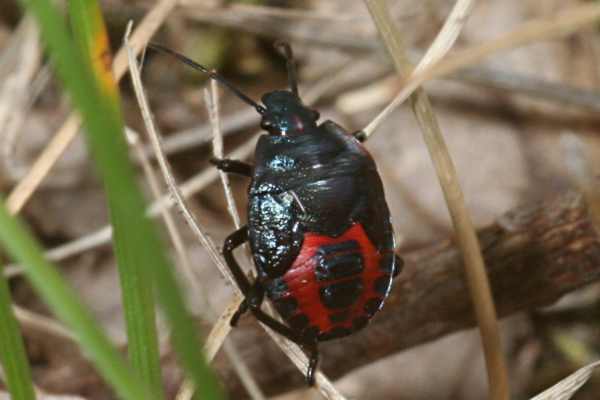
{"points": [[136, 284], [12, 351], [106, 142], [64, 302]]}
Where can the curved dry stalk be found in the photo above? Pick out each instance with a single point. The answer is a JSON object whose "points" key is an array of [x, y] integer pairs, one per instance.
{"points": [[166, 170], [529, 32], [477, 279], [65, 135], [212, 104], [441, 45]]}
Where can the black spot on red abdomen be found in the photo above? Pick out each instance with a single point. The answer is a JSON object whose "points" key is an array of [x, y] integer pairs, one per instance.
{"points": [[334, 286]]}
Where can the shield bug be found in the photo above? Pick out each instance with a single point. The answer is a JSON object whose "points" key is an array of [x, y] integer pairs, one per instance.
{"points": [[318, 224]]}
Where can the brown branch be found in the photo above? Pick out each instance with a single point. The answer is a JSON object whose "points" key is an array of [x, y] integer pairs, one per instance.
{"points": [[534, 255]]}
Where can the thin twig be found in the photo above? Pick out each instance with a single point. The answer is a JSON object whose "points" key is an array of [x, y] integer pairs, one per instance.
{"points": [[467, 239], [65, 135]]}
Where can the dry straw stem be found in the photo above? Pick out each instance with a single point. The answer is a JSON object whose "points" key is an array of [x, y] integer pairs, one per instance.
{"points": [[166, 170], [293, 351], [65, 135], [539, 29], [212, 103], [465, 233]]}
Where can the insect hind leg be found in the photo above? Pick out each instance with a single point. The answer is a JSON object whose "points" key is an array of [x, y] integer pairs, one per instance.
{"points": [[233, 241]]}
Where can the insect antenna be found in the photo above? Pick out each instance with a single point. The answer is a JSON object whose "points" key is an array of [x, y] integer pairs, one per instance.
{"points": [[286, 49], [211, 74]]}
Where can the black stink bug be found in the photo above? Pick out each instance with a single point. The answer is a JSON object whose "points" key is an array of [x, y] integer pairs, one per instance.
{"points": [[318, 224]]}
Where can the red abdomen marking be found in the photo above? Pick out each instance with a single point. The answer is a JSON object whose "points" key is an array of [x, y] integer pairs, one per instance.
{"points": [[334, 286]]}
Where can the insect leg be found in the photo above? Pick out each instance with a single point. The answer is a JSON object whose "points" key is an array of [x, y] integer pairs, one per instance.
{"points": [[233, 166], [313, 359], [233, 241]]}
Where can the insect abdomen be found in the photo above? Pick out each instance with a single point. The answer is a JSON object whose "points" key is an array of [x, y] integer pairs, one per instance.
{"points": [[334, 286]]}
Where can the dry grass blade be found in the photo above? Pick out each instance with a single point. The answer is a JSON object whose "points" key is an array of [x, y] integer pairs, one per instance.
{"points": [[448, 34], [212, 101], [166, 170], [65, 135], [439, 48], [539, 29], [465, 233], [566, 388]]}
